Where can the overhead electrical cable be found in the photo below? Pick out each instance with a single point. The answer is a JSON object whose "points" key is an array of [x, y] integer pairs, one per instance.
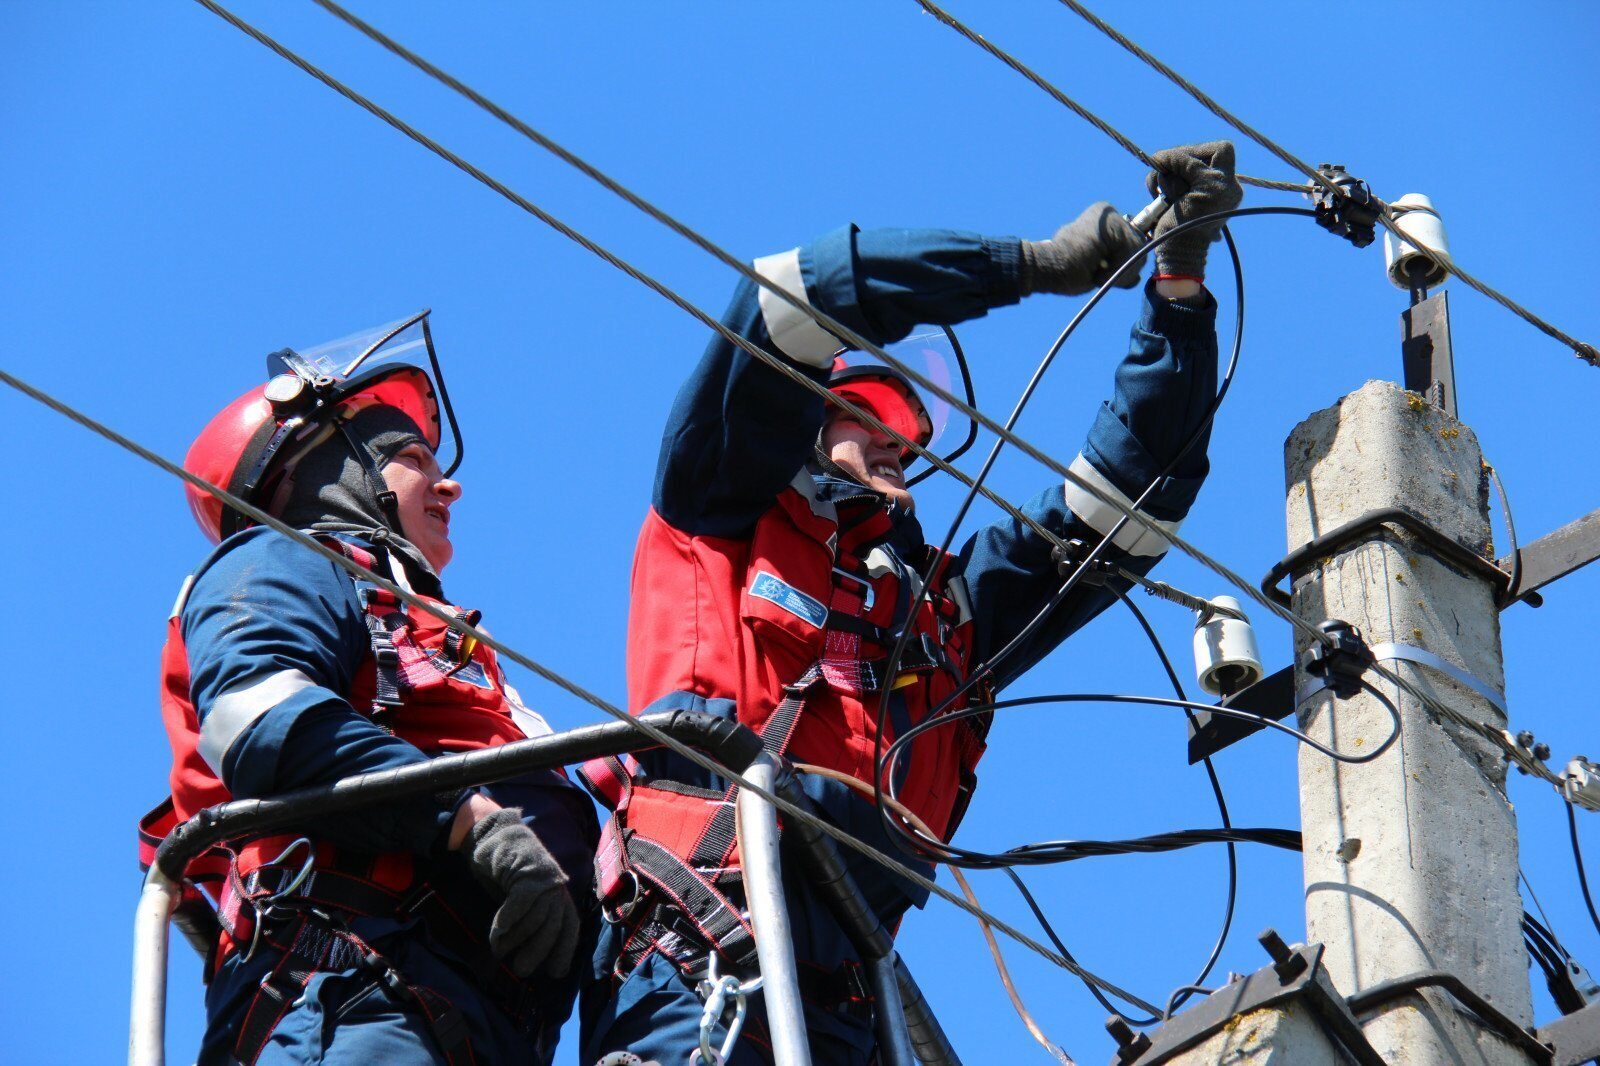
{"points": [[1524, 761], [455, 622], [1387, 216], [1586, 352], [1072, 105], [650, 282], [1181, 995]]}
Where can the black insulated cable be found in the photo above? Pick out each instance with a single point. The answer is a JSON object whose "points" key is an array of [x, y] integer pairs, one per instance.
{"points": [[938, 851], [987, 669], [1180, 996], [1577, 861], [1586, 352], [1489, 732], [454, 622]]}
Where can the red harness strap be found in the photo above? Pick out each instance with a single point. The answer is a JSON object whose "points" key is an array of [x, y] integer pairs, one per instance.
{"points": [[679, 846], [315, 947]]}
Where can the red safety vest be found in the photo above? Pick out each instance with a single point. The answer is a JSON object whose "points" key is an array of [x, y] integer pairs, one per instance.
{"points": [[420, 679], [791, 624]]}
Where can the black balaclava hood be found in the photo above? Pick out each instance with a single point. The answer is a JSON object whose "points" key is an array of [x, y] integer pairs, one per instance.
{"points": [[332, 490], [906, 531]]}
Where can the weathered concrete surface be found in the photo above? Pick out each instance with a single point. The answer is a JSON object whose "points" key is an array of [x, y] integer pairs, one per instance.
{"points": [[1410, 861]]}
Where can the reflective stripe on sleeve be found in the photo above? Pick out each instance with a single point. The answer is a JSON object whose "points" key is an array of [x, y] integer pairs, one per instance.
{"points": [[1133, 538], [791, 329], [237, 709]]}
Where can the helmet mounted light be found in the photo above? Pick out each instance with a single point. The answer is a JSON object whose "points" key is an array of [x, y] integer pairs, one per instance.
{"points": [[245, 448]]}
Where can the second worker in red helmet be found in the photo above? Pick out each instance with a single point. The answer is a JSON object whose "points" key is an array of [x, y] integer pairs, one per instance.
{"points": [[779, 562]]}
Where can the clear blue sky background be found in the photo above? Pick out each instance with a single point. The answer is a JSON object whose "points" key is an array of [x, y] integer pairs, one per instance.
{"points": [[178, 202]]}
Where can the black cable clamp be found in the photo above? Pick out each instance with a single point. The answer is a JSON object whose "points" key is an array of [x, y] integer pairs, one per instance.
{"points": [[1352, 212], [1342, 663], [1069, 556]]}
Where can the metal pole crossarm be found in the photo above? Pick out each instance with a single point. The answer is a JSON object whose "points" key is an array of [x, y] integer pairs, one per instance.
{"points": [[1557, 554]]}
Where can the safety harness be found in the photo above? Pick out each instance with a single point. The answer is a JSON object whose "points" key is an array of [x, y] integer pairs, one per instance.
{"points": [[667, 857], [236, 900]]}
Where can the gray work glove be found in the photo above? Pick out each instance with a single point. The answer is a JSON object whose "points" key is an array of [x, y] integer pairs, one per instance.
{"points": [[536, 927], [1082, 254], [1196, 179]]}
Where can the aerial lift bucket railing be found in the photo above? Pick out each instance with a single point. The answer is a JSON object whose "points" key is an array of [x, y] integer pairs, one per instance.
{"points": [[904, 1020]]}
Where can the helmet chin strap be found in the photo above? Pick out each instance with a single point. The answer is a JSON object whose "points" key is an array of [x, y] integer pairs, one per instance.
{"points": [[388, 502]]}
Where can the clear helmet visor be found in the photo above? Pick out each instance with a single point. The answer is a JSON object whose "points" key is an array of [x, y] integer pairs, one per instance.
{"points": [[897, 399], [393, 364], [927, 350]]}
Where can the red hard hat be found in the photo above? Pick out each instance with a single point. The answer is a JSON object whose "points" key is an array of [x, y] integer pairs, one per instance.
{"points": [[887, 395], [243, 450]]}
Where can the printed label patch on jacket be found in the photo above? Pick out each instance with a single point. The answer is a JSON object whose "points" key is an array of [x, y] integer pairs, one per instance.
{"points": [[791, 599]]}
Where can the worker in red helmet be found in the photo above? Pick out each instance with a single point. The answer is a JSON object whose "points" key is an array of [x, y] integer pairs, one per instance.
{"points": [[440, 929], [781, 559]]}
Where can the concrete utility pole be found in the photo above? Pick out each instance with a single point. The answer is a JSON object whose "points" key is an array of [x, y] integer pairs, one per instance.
{"points": [[1410, 860]]}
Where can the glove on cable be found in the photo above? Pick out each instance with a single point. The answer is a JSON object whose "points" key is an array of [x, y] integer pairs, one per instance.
{"points": [[1082, 254], [1197, 180], [536, 927]]}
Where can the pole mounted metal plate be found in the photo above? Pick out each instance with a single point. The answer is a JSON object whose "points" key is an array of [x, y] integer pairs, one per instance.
{"points": [[1430, 368], [1295, 974]]}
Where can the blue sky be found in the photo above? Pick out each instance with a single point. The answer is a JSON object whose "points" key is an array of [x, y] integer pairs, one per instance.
{"points": [[180, 202]]}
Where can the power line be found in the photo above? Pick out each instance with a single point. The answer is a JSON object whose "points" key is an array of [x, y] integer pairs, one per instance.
{"points": [[829, 323], [650, 282], [1489, 732], [1033, 452], [1072, 105], [454, 622], [1583, 351]]}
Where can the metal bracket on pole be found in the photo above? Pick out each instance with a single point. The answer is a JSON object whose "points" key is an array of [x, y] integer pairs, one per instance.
{"points": [[1425, 351], [1575, 1037], [1555, 555], [1295, 974]]}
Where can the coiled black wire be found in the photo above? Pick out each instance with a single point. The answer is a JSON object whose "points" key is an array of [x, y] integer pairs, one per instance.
{"points": [[898, 652]]}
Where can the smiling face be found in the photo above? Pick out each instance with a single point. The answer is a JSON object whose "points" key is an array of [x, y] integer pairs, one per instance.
{"points": [[423, 496], [866, 454]]}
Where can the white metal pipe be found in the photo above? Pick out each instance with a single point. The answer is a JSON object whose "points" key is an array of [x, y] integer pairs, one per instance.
{"points": [[147, 1024], [769, 917]]}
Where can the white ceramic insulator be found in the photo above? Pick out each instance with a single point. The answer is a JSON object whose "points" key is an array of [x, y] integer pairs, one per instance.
{"points": [[1421, 224], [1226, 657]]}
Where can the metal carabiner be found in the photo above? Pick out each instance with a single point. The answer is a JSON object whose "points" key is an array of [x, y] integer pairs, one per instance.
{"points": [[267, 904], [718, 990]]}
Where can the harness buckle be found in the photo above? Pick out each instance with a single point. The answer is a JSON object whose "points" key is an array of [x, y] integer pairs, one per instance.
{"points": [[871, 596], [617, 915]]}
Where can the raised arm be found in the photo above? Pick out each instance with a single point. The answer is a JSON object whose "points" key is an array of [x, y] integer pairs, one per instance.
{"points": [[739, 430], [1162, 392]]}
